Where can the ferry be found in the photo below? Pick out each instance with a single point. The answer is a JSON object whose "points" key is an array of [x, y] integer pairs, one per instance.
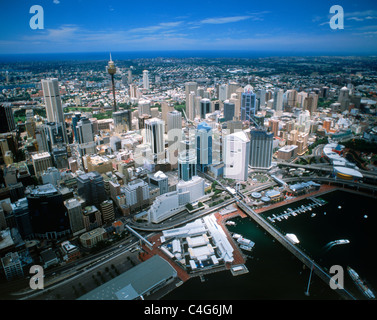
{"points": [[245, 244], [360, 283]]}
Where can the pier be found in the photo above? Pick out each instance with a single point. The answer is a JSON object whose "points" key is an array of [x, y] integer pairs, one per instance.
{"points": [[294, 212], [317, 269]]}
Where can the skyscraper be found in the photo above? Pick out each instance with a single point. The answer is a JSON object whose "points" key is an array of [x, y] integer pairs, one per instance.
{"points": [[91, 187], [261, 146], [47, 212], [146, 79], [205, 107], [122, 120], [52, 99], [203, 146], [154, 134], [229, 110], [190, 94], [7, 122], [278, 100], [236, 152], [86, 136], [248, 104], [174, 120], [186, 164]]}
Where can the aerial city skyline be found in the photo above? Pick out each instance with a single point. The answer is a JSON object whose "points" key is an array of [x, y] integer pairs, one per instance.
{"points": [[143, 163]]}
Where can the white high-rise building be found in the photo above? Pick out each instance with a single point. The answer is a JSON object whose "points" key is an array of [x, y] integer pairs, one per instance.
{"points": [[154, 134], [146, 79], [236, 153], [174, 128], [223, 92], [278, 100], [191, 110]]}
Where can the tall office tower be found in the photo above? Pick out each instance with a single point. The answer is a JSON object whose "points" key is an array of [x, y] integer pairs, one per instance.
{"points": [[237, 103], [274, 126], [144, 107], [75, 216], [205, 107], [174, 128], [232, 88], [129, 76], [76, 118], [236, 153], [186, 164], [248, 104], [229, 110], [137, 194], [200, 92], [325, 92], [203, 146], [190, 87], [107, 210], [7, 122], [41, 161], [223, 92], [310, 103], [47, 212], [261, 147], [301, 96], [91, 187], [60, 157], [20, 210], [165, 109], [344, 98], [111, 69], [122, 120], [291, 99], [85, 136], [262, 98], [154, 134], [146, 79], [190, 103], [278, 100], [159, 180], [52, 99]]}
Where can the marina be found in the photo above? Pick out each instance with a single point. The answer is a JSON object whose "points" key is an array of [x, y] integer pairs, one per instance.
{"points": [[301, 209]]}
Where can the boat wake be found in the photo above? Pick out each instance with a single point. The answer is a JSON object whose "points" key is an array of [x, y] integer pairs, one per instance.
{"points": [[331, 244]]}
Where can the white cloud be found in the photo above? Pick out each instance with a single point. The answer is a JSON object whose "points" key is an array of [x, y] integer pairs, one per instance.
{"points": [[224, 20], [56, 1]]}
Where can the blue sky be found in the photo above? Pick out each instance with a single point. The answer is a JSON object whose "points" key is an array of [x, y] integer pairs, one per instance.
{"points": [[109, 25]]}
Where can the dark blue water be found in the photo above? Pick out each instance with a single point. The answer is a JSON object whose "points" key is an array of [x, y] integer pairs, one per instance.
{"points": [[274, 273], [123, 55]]}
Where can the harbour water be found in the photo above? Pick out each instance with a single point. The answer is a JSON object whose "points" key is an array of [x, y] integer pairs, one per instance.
{"points": [[274, 273]]}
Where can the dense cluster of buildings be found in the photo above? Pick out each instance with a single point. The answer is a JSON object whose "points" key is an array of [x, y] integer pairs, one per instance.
{"points": [[76, 174]]}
